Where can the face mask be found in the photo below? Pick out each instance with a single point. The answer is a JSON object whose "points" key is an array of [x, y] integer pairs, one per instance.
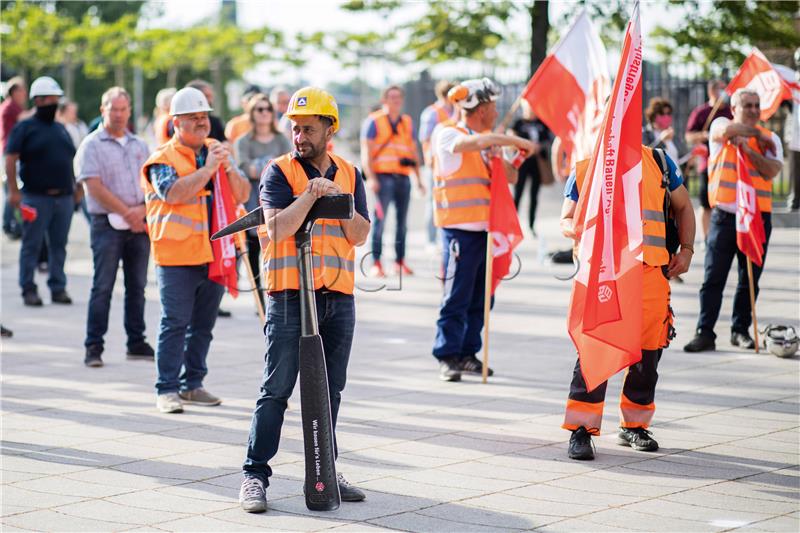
{"points": [[663, 121], [46, 113]]}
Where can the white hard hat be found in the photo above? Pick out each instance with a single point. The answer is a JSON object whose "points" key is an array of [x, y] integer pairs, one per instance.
{"points": [[45, 86], [780, 340], [470, 93], [188, 100]]}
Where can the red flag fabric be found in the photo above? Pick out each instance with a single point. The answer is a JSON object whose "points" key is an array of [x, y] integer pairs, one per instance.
{"points": [[504, 227], [223, 269], [605, 314], [757, 73], [750, 233], [569, 89]]}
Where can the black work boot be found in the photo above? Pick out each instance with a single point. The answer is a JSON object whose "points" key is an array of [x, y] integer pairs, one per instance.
{"points": [[580, 445], [637, 438], [742, 340], [93, 353], [449, 369], [700, 343]]}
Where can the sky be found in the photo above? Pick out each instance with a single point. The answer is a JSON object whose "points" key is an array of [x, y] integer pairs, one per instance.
{"points": [[309, 16]]}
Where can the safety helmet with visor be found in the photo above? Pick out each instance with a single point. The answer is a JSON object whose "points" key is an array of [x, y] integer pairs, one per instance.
{"points": [[469, 94]]}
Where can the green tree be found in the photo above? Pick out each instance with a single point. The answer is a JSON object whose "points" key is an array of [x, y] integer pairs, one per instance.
{"points": [[722, 36]]}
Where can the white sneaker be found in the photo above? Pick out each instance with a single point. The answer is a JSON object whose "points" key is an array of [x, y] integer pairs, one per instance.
{"points": [[169, 403]]}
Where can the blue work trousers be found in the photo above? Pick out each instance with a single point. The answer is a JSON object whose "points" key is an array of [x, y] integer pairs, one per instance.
{"points": [[189, 305], [458, 329], [721, 248], [109, 247], [394, 188], [337, 318], [53, 219]]}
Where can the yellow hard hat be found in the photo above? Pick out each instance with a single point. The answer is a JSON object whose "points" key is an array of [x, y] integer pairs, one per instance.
{"points": [[314, 101]]}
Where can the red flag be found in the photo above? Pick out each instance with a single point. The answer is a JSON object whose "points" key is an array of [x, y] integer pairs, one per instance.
{"points": [[750, 234], [504, 225], [605, 315], [757, 73], [223, 269], [569, 89]]}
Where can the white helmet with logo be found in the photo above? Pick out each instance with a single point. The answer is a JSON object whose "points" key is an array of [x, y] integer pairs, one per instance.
{"points": [[470, 93], [45, 86], [188, 100], [781, 341]]}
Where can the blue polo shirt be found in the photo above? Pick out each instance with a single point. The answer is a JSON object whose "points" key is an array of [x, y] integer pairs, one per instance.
{"points": [[276, 193], [45, 152]]}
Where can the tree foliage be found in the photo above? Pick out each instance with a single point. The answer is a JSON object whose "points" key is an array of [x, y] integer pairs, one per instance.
{"points": [[723, 36]]}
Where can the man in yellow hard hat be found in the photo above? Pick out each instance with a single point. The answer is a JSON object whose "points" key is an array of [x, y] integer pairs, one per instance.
{"points": [[289, 187]]}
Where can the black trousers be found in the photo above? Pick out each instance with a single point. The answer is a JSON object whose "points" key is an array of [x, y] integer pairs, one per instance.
{"points": [[639, 386]]}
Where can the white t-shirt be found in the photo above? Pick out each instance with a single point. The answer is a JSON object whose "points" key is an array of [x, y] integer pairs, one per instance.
{"points": [[443, 141], [719, 125]]}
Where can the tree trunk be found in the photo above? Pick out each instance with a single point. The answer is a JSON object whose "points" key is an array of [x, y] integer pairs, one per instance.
{"points": [[540, 26]]}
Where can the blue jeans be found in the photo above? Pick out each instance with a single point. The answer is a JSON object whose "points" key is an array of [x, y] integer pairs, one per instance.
{"points": [[189, 305], [720, 251], [337, 317], [109, 246], [393, 188], [53, 219], [458, 329]]}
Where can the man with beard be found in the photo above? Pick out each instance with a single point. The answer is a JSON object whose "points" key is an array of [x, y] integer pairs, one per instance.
{"points": [[289, 187], [44, 151]]}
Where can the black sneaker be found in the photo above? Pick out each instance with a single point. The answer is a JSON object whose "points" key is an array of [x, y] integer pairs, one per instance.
{"points": [[6, 333], [742, 340], [700, 343], [348, 492], [637, 438], [141, 350], [473, 365], [580, 445], [253, 495], [449, 369], [61, 297], [93, 353], [222, 313], [31, 299]]}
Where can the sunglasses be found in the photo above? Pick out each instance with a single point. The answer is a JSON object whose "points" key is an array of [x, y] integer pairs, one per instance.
{"points": [[262, 109]]}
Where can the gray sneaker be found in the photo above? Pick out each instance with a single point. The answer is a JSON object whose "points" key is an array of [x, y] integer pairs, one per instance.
{"points": [[169, 403], [253, 495], [199, 396]]}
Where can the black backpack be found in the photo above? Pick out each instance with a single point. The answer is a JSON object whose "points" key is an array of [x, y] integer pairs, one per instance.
{"points": [[672, 238]]}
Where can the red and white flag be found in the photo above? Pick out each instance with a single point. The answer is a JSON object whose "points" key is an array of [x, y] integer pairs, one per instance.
{"points": [[569, 89], [504, 227], [605, 314], [750, 233], [223, 269], [757, 73]]}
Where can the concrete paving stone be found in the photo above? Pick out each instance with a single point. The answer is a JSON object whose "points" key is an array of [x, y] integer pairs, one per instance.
{"points": [[229, 462], [49, 520], [506, 503], [165, 470], [37, 464], [639, 486], [481, 471], [161, 501], [116, 479], [689, 469], [726, 502], [7, 528], [108, 511], [445, 478], [459, 513], [22, 497], [422, 523], [197, 523], [359, 527], [788, 524], [377, 505], [276, 520], [753, 491], [458, 443], [664, 508], [43, 439], [579, 524], [9, 476], [403, 459], [203, 491], [97, 433], [779, 479], [71, 487], [626, 518], [656, 476], [554, 493], [8, 510], [437, 492], [754, 452]]}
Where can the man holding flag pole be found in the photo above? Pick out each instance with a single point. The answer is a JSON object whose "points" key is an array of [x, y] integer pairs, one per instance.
{"points": [[617, 209], [744, 157], [463, 195]]}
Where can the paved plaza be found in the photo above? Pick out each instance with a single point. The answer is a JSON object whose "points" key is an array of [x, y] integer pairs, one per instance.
{"points": [[85, 449]]}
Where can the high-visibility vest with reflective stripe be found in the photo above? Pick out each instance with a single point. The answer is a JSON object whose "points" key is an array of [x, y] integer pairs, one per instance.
{"points": [[388, 147], [463, 196], [178, 232], [654, 229], [722, 177], [333, 256]]}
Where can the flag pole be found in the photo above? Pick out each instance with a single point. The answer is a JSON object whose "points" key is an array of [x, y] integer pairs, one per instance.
{"points": [[752, 300], [243, 247], [487, 303]]}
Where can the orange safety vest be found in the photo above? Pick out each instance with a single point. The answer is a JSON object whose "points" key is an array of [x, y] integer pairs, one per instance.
{"points": [[178, 232], [654, 230], [389, 145], [722, 177], [333, 255], [463, 196], [237, 127]]}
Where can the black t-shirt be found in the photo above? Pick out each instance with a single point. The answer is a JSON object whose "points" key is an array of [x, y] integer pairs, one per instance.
{"points": [[45, 155], [534, 130], [217, 128]]}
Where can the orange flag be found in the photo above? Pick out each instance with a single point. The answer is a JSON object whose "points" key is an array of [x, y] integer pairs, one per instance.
{"points": [[504, 225], [605, 314], [223, 269], [750, 233], [757, 73]]}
